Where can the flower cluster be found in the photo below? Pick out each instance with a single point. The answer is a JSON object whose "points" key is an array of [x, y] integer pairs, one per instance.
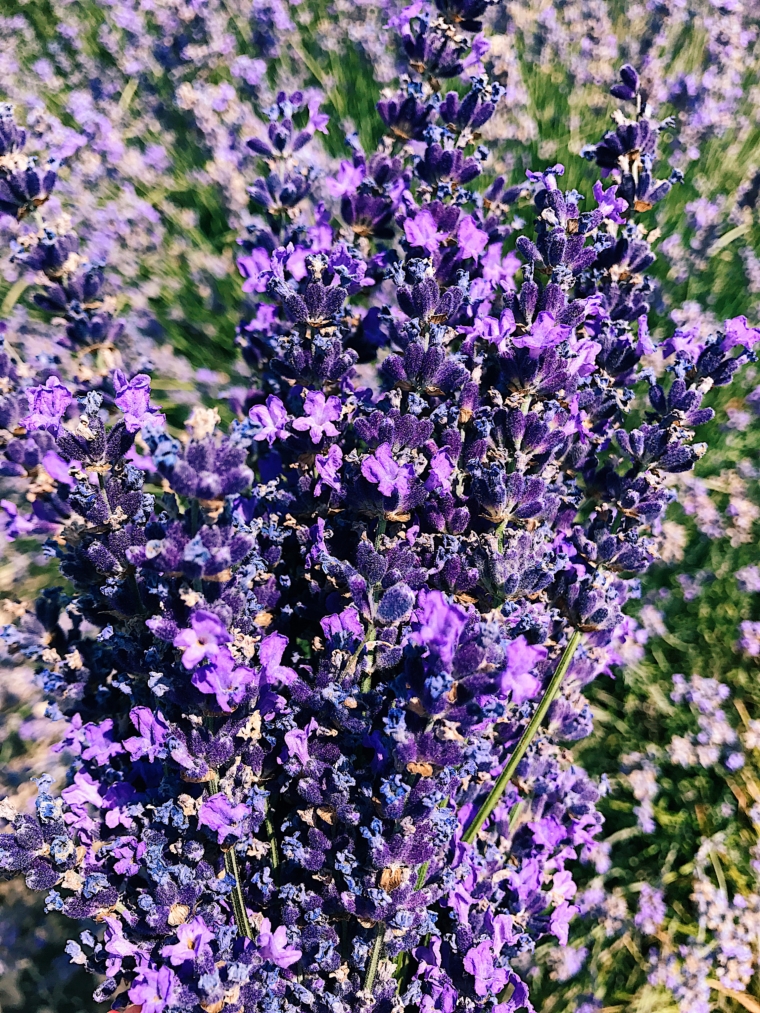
{"points": [[305, 664]]}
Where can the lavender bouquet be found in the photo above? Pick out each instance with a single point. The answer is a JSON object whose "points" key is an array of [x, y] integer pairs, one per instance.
{"points": [[316, 670]]}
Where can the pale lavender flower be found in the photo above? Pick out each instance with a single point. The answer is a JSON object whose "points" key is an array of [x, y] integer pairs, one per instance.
{"points": [[749, 640], [270, 420], [133, 397], [154, 989], [651, 910], [47, 406], [222, 817], [274, 945], [320, 414], [203, 640], [193, 938], [384, 472], [748, 578]]}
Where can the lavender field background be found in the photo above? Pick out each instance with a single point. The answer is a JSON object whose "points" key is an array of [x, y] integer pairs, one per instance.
{"points": [[148, 105]]}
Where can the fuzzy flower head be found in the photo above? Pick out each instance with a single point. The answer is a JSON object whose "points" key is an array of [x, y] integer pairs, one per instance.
{"points": [[651, 910]]}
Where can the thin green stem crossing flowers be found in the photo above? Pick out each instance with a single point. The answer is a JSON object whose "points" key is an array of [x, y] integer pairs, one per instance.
{"points": [[500, 785]]}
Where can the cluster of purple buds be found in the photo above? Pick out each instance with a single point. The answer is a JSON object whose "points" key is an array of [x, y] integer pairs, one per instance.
{"points": [[287, 182], [317, 671], [75, 289], [24, 185], [630, 150]]}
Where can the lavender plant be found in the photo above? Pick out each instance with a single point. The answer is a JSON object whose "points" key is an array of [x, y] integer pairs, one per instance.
{"points": [[317, 670]]}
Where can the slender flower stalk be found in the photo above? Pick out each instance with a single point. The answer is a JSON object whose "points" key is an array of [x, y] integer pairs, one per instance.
{"points": [[231, 866], [374, 959], [500, 785]]}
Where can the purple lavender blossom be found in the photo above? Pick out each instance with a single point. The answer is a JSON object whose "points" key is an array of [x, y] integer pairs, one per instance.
{"points": [[651, 910], [384, 472], [270, 420], [224, 678], [319, 416], [328, 468], [274, 945], [203, 640], [133, 398], [222, 817], [193, 940], [154, 989], [47, 406]]}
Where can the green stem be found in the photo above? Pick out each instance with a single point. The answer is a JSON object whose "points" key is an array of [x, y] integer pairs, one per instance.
{"points": [[380, 530], [421, 875], [507, 774], [238, 901], [13, 295], [718, 871], [274, 854], [374, 958], [500, 535], [231, 867], [366, 683]]}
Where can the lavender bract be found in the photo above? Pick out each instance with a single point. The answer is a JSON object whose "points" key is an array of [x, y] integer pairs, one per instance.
{"points": [[320, 637]]}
